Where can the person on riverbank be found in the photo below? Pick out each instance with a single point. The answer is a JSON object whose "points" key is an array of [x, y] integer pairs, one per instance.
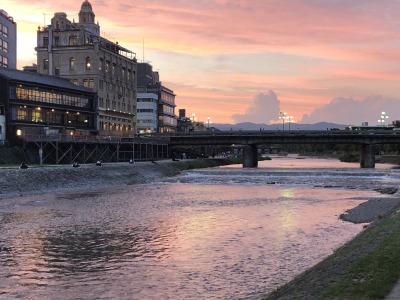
{"points": [[23, 166], [75, 164], [99, 163]]}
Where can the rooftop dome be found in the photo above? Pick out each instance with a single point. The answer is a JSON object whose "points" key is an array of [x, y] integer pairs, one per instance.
{"points": [[86, 6]]}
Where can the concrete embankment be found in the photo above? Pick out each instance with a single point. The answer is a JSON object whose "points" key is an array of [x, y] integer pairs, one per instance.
{"points": [[34, 180]]}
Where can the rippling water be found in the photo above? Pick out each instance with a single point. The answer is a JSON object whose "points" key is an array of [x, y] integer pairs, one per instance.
{"points": [[221, 233]]}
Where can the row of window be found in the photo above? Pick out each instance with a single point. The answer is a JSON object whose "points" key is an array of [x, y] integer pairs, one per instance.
{"points": [[72, 41], [114, 105], [168, 110], [115, 119], [51, 116], [145, 121], [145, 110], [39, 95], [122, 72], [3, 30], [113, 69], [168, 98], [114, 88], [146, 100], [114, 126], [3, 61], [167, 120], [72, 63]]}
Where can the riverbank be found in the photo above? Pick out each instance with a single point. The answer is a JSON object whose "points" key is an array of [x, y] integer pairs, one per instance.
{"points": [[367, 267], [61, 178]]}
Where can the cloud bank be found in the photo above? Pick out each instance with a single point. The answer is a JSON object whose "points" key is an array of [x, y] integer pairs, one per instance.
{"points": [[350, 111], [263, 109]]}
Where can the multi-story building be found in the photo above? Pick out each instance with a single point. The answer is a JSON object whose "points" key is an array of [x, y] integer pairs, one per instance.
{"points": [[147, 107], [32, 104], [76, 51], [148, 85], [8, 41]]}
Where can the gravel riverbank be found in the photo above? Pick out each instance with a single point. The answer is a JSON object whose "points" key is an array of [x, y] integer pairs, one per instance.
{"points": [[64, 178]]}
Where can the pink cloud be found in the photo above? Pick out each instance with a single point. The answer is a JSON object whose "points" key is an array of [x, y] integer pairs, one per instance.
{"points": [[221, 53]]}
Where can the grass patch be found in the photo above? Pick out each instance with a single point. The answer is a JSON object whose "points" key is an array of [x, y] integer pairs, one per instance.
{"points": [[372, 275], [367, 267]]}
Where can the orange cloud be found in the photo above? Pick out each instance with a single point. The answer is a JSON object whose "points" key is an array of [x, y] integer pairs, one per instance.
{"points": [[218, 55]]}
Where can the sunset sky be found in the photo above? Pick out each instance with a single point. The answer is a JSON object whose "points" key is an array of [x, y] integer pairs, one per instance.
{"points": [[247, 60]]}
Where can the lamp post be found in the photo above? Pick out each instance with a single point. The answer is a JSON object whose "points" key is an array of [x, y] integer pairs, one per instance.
{"points": [[289, 120], [282, 115], [208, 122], [384, 116]]}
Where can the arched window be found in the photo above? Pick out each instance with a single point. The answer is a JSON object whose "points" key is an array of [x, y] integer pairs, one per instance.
{"points": [[88, 63], [72, 63]]}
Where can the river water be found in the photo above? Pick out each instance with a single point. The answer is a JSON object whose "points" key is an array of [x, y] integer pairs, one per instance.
{"points": [[220, 233]]}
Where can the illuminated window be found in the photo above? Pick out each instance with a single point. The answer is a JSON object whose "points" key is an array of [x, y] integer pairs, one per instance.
{"points": [[88, 63], [73, 40], [89, 83]]}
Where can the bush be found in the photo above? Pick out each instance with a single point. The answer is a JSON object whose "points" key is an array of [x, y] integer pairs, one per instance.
{"points": [[11, 155], [349, 157]]}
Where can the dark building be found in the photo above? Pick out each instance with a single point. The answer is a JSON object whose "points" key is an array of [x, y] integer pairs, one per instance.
{"points": [[8, 41], [32, 104]]}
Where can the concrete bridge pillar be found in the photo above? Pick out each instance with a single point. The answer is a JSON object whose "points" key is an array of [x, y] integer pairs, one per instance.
{"points": [[367, 156], [250, 156]]}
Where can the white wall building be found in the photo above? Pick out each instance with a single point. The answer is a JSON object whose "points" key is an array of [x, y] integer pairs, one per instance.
{"points": [[147, 118]]}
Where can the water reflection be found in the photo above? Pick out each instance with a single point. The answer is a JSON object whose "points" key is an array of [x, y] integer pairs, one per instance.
{"points": [[219, 234]]}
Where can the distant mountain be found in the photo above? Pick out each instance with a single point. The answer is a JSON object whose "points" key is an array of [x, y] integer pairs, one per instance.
{"points": [[293, 126]]}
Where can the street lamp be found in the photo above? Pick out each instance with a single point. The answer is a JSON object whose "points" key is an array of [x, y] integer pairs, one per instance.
{"points": [[208, 122], [384, 116], [282, 115], [193, 117], [289, 120]]}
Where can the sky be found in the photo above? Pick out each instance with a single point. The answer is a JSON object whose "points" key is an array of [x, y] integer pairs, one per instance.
{"points": [[248, 60]]}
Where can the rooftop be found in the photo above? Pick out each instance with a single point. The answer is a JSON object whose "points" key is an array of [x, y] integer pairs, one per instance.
{"points": [[31, 77]]}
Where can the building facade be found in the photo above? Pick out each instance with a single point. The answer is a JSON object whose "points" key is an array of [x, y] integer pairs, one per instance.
{"points": [[76, 51], [147, 108], [8, 41], [149, 84], [32, 104]]}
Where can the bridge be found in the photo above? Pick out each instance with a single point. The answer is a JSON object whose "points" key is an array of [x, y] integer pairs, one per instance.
{"points": [[251, 140]]}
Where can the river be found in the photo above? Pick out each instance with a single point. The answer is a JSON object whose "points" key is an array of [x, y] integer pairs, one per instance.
{"points": [[219, 233]]}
